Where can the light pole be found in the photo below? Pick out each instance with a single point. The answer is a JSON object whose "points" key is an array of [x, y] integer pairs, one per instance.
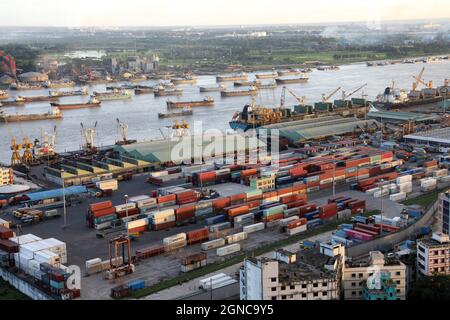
{"points": [[381, 206], [64, 199], [126, 204]]}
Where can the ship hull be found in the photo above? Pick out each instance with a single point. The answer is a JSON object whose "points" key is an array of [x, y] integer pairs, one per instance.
{"points": [[236, 125], [172, 114], [204, 89], [236, 78], [167, 93], [289, 73], [413, 103], [288, 81], [184, 81], [13, 103], [68, 94], [171, 104], [112, 97], [40, 98], [266, 76], [238, 93], [143, 91], [31, 117], [75, 106]]}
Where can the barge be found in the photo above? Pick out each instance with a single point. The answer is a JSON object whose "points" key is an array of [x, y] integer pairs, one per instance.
{"points": [[207, 102], [54, 114], [92, 103]]}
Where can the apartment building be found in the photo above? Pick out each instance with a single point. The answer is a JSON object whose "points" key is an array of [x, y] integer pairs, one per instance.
{"points": [[433, 255]]}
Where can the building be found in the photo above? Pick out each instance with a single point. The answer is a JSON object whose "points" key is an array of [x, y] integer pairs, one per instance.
{"points": [[312, 274], [433, 255], [358, 271], [384, 290], [265, 183], [6, 176], [33, 77], [443, 215], [436, 137]]}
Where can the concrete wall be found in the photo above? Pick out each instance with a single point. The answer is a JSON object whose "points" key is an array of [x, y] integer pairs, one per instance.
{"points": [[23, 286], [388, 241]]}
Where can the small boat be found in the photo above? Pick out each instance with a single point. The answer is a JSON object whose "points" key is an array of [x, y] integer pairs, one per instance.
{"points": [[92, 103], [187, 111], [325, 68], [207, 102], [113, 95], [143, 89], [250, 92], [185, 80], [161, 91], [3, 95], [271, 75], [17, 102], [82, 92], [291, 80], [212, 89], [232, 77], [290, 72], [54, 114]]}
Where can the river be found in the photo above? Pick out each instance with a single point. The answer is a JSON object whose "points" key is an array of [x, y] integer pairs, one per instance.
{"points": [[141, 112]]}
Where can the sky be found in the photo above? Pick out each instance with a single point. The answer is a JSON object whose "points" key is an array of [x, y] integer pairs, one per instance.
{"points": [[110, 13]]}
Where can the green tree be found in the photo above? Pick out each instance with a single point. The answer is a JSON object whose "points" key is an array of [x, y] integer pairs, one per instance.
{"points": [[436, 287]]}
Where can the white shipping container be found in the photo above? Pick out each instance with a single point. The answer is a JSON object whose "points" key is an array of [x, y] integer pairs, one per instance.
{"points": [[162, 214], [219, 226], [25, 238], [381, 193], [107, 185], [370, 192], [254, 227], [216, 243], [440, 173], [34, 265], [397, 196], [137, 223], [175, 245], [236, 237], [206, 281], [125, 206], [232, 248], [158, 174], [297, 230], [138, 198], [445, 179], [174, 238], [101, 226], [46, 256], [405, 187], [93, 262], [428, 182], [146, 202], [244, 217], [284, 222], [403, 179]]}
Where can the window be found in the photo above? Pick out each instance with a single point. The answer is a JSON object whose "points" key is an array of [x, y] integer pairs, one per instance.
{"points": [[397, 273], [353, 284], [315, 285], [397, 282], [291, 296], [324, 293], [274, 298], [353, 293], [283, 297], [398, 290], [360, 275], [353, 275], [283, 288], [360, 293], [315, 294], [274, 289], [273, 279], [324, 284], [303, 286], [292, 287], [303, 295]]}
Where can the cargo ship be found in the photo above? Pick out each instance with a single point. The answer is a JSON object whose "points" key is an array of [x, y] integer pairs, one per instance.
{"points": [[288, 80], [143, 89], [3, 95], [59, 84], [185, 80], [187, 111], [207, 102], [25, 86], [213, 88], [161, 91], [39, 98], [291, 72], [82, 92], [250, 92], [54, 114], [271, 75], [92, 103], [114, 95], [232, 77]]}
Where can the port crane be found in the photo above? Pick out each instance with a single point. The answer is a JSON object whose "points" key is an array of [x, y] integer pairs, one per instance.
{"points": [[123, 130], [325, 98], [27, 156], [301, 100], [345, 96], [15, 147], [89, 133], [419, 79]]}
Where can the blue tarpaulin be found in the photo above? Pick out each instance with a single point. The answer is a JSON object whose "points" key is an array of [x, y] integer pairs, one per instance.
{"points": [[56, 193]]}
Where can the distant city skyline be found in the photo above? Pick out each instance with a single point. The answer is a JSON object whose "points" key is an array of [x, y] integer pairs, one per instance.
{"points": [[140, 13]]}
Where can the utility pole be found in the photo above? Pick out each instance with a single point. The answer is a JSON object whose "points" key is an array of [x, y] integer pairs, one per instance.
{"points": [[126, 204], [64, 199], [381, 206]]}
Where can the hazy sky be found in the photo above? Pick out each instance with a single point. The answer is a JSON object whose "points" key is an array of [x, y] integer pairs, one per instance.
{"points": [[213, 12]]}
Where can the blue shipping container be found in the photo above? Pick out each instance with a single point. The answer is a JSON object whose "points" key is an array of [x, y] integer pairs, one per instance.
{"points": [[136, 285], [215, 219]]}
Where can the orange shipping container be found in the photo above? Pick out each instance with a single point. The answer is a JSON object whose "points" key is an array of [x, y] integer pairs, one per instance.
{"points": [[100, 205], [284, 191], [238, 211], [269, 194], [219, 204], [273, 217], [169, 197], [249, 172]]}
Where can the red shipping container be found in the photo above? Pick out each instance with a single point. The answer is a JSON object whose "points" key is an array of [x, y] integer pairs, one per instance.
{"points": [[368, 227], [296, 223], [168, 198], [284, 191], [357, 204], [358, 235], [387, 154], [186, 194], [307, 208], [238, 211], [374, 171], [327, 215], [183, 216], [335, 199], [149, 252], [387, 227], [103, 212], [325, 186], [255, 197], [221, 203], [253, 204], [328, 207], [210, 175], [269, 194], [197, 236], [5, 233], [312, 184], [9, 246], [164, 226], [297, 172], [237, 197], [187, 200], [249, 172], [298, 188], [100, 205], [273, 217], [372, 233], [131, 212], [138, 229], [295, 204], [430, 163]]}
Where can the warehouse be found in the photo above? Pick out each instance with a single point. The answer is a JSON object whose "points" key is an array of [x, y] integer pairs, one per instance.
{"points": [[399, 117], [436, 137], [184, 149], [35, 197], [319, 128]]}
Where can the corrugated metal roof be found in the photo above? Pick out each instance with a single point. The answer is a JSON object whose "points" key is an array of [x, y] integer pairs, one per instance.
{"points": [[56, 193], [400, 116], [319, 127], [161, 150]]}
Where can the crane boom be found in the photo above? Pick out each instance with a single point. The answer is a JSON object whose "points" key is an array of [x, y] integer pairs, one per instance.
{"points": [[355, 91], [300, 100], [325, 98]]}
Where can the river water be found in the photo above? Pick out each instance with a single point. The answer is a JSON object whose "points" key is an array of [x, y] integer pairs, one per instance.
{"points": [[141, 112]]}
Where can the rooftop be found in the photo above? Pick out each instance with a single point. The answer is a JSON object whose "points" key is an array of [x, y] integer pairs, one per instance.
{"points": [[374, 257], [441, 135], [400, 116]]}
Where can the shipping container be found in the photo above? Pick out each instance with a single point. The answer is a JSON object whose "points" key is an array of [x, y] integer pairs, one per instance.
{"points": [[236, 237], [213, 244], [223, 251]]}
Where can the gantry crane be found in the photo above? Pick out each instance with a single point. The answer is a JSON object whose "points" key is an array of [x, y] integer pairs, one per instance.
{"points": [[15, 147], [325, 98], [119, 249], [89, 133], [27, 156]]}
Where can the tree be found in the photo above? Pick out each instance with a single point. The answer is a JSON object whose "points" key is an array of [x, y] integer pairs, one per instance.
{"points": [[435, 287]]}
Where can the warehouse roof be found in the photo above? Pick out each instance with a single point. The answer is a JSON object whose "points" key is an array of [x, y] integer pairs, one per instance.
{"points": [[180, 149], [319, 127], [441, 135], [56, 193], [400, 116]]}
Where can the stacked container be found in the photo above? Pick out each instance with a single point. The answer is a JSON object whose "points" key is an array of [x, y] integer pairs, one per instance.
{"points": [[174, 242], [100, 215], [161, 220], [193, 261]]}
